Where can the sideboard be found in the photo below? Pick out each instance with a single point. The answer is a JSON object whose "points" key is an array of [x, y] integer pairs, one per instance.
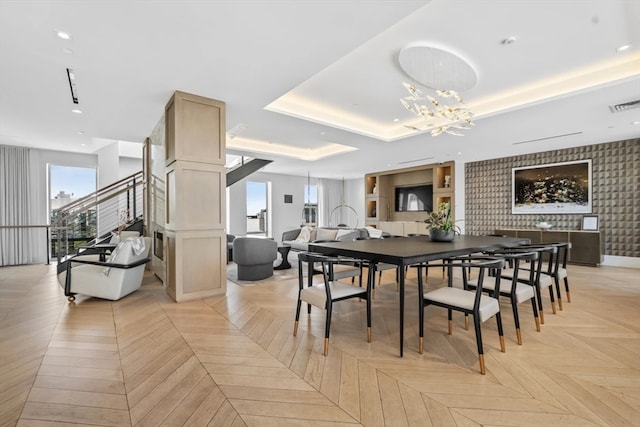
{"points": [[587, 247]]}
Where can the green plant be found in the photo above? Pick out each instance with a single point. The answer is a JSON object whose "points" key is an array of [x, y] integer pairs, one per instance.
{"points": [[441, 219]]}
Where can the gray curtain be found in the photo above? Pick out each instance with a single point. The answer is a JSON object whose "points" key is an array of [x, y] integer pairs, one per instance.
{"points": [[16, 244]]}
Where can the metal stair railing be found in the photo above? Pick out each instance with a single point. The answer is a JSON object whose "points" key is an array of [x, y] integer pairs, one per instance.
{"points": [[96, 214]]}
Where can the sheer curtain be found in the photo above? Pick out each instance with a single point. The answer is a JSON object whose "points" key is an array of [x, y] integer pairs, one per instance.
{"points": [[17, 245]]}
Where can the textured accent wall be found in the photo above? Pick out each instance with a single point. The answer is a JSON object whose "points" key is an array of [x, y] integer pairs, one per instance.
{"points": [[616, 193]]}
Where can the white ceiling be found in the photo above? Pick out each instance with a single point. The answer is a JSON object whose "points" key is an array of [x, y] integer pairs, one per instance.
{"points": [[332, 67]]}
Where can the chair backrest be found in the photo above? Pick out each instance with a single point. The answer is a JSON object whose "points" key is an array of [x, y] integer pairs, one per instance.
{"points": [[561, 256], [476, 262], [253, 250], [327, 268], [514, 257], [310, 258], [546, 253], [122, 236], [128, 252]]}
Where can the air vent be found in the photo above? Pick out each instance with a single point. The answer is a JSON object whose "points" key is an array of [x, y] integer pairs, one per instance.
{"points": [[545, 138], [415, 160], [624, 107]]}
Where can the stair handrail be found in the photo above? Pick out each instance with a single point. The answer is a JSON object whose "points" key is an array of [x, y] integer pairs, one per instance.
{"points": [[95, 195], [73, 209]]}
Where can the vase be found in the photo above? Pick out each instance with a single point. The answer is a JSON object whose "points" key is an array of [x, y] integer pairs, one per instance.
{"points": [[441, 235]]}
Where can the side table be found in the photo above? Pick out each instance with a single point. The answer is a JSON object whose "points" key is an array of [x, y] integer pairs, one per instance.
{"points": [[284, 263]]}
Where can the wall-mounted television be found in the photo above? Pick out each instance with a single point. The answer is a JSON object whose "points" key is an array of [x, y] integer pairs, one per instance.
{"points": [[414, 198]]}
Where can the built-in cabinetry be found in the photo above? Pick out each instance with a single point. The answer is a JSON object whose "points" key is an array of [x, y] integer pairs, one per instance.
{"points": [[380, 200], [400, 228], [587, 247]]}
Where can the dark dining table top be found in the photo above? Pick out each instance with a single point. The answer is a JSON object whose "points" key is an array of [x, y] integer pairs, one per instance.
{"points": [[403, 251], [414, 249]]}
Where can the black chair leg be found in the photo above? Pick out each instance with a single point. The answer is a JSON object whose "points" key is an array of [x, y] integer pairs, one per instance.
{"points": [[420, 312], [500, 331], [327, 327], [295, 325], [516, 319], [558, 294], [476, 325], [553, 300], [535, 314], [373, 278], [539, 298], [566, 289]]}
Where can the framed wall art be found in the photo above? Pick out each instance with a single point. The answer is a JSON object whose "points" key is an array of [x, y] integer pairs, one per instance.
{"points": [[590, 223], [557, 188]]}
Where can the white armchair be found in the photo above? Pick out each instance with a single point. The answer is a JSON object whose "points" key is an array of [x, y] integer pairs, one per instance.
{"points": [[119, 276]]}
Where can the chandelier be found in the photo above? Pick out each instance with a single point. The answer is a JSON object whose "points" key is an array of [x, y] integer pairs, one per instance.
{"points": [[444, 112]]}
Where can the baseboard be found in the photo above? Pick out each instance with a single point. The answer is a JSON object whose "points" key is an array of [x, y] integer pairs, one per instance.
{"points": [[621, 261]]}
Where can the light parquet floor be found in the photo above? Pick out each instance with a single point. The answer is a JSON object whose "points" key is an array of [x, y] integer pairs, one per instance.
{"points": [[232, 360]]}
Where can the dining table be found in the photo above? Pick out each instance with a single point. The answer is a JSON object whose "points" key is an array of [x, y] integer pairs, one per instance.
{"points": [[406, 251]]}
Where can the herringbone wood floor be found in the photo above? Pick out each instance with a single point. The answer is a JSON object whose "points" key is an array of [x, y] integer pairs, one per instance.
{"points": [[232, 360]]}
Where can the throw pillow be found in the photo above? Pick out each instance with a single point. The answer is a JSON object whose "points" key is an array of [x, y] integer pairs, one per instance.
{"points": [[343, 232], [326, 234], [304, 235], [374, 233]]}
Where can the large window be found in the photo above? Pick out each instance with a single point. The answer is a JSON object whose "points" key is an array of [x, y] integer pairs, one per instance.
{"points": [[310, 211], [66, 185]]}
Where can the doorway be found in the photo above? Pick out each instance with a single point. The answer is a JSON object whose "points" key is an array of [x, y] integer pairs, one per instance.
{"points": [[258, 218]]}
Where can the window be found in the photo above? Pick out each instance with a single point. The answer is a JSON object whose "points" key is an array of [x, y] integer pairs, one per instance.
{"points": [[66, 185], [310, 210]]}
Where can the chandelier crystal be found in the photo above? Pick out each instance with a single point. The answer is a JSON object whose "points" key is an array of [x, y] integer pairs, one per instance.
{"points": [[444, 112]]}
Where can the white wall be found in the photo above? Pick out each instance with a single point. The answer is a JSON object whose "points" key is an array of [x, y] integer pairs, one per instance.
{"points": [[108, 164], [128, 166]]}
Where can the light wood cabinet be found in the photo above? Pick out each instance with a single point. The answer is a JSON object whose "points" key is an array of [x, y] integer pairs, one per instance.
{"points": [[380, 195], [399, 228]]}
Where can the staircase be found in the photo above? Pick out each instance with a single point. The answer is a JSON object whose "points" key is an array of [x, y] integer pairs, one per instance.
{"points": [[244, 167], [94, 216], [120, 205]]}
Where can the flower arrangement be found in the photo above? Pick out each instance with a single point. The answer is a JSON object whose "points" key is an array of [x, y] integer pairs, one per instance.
{"points": [[123, 219], [441, 219]]}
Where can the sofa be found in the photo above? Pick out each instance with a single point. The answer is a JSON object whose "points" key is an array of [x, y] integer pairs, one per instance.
{"points": [[299, 238]]}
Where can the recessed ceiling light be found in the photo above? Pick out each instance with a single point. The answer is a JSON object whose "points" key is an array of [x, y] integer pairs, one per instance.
{"points": [[396, 120], [75, 110], [63, 35], [459, 153], [67, 51], [80, 132], [623, 48], [83, 145], [323, 133], [637, 122]]}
